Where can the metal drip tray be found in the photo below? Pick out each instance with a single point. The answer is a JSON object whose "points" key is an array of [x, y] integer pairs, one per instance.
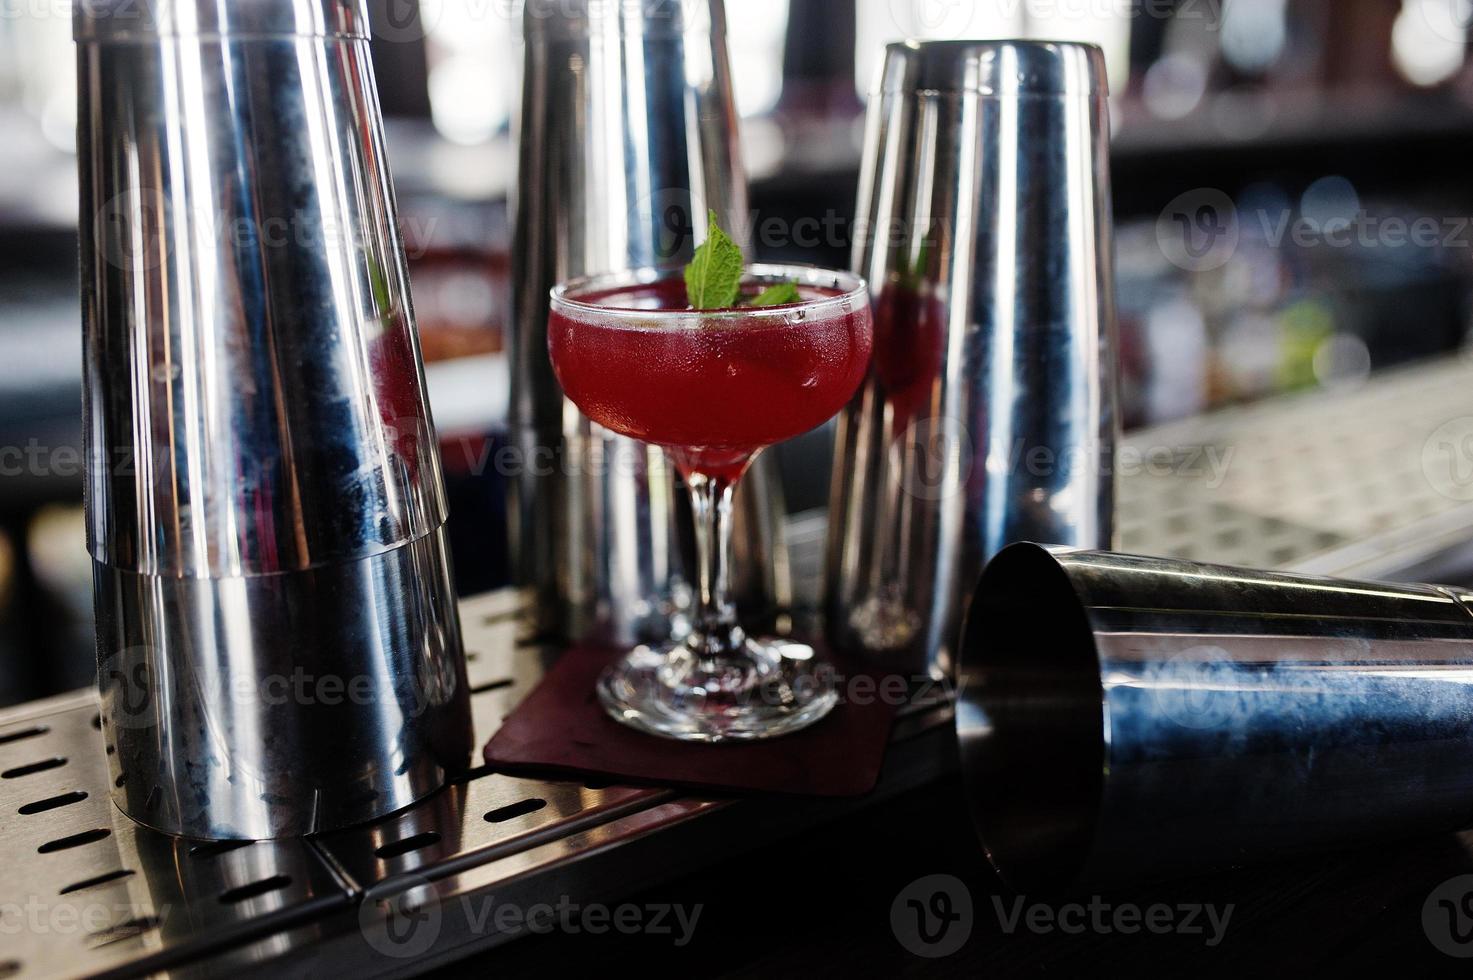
{"points": [[85, 890], [1330, 482]]}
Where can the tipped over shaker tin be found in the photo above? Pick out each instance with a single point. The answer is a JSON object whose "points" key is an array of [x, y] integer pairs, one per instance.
{"points": [[989, 413], [278, 642], [1124, 717]]}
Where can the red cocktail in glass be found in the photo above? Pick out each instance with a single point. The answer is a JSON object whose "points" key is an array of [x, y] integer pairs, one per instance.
{"points": [[712, 387]]}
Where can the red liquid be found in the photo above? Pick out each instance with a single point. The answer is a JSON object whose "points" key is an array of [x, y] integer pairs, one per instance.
{"points": [[715, 394], [910, 332]]}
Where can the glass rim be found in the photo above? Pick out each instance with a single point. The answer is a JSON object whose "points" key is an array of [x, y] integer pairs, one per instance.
{"points": [[852, 286]]}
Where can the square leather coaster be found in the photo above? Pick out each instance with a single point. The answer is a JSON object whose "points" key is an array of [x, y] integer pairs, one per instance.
{"points": [[561, 727]]}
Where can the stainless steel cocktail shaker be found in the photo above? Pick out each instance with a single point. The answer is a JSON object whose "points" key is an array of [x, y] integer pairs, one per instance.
{"points": [[989, 413], [628, 136], [278, 643], [1124, 717]]}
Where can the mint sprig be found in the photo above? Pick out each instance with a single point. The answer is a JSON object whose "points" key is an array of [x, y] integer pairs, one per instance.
{"points": [[713, 279], [782, 293]]}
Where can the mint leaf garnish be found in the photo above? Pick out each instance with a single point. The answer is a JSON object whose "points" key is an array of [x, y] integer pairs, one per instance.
{"points": [[912, 277], [713, 278], [782, 293]]}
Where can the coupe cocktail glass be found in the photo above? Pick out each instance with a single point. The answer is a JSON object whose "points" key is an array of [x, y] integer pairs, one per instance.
{"points": [[712, 388]]}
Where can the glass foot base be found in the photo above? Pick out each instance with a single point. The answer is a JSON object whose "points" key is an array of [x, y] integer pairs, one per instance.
{"points": [[765, 689], [884, 622]]}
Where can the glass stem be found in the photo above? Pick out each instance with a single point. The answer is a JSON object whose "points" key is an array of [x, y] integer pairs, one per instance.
{"points": [[716, 630]]}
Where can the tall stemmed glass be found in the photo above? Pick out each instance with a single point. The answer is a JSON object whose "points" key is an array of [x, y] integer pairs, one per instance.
{"points": [[713, 388]]}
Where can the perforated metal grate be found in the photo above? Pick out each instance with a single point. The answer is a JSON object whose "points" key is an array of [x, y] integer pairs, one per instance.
{"points": [[85, 890], [1366, 482]]}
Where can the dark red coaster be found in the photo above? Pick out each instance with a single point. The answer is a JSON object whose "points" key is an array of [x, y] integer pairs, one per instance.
{"points": [[561, 727]]}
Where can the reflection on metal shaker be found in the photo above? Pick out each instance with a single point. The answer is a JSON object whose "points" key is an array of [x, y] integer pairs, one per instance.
{"points": [[278, 642], [628, 135], [989, 414], [1124, 717]]}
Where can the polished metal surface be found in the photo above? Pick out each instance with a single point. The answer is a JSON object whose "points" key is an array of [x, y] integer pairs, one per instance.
{"points": [[989, 415], [117, 20], [612, 860], [265, 706], [628, 137], [264, 492], [1122, 716], [86, 890], [486, 838], [255, 397]]}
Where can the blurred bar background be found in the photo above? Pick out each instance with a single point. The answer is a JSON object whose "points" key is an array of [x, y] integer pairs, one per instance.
{"points": [[1291, 192]]}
